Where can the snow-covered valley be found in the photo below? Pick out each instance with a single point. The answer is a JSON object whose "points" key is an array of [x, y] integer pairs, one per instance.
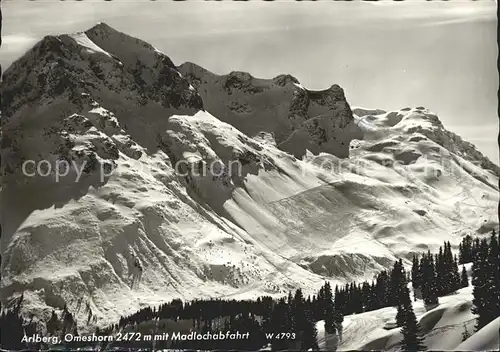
{"points": [[338, 195]]}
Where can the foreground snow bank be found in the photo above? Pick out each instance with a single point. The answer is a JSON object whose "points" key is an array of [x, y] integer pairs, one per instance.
{"points": [[486, 339], [442, 326]]}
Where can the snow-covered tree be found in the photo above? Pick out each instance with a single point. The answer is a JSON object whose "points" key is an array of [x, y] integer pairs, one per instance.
{"points": [[397, 283], [430, 289], [411, 330], [480, 273]]}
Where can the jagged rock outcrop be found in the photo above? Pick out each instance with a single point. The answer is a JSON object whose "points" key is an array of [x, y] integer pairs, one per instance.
{"points": [[300, 119]]}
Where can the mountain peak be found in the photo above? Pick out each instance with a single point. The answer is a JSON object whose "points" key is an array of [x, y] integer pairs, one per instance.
{"points": [[102, 26], [285, 79], [191, 66], [103, 30], [300, 119], [53, 44], [99, 59]]}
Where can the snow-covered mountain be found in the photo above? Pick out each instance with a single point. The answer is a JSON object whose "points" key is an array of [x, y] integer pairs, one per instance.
{"points": [[299, 119], [302, 188]]}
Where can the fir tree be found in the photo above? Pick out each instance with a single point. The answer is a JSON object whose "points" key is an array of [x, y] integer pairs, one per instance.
{"points": [[309, 333], [441, 280], [397, 283], [494, 261], [449, 273], [468, 248], [455, 275], [411, 330], [429, 290], [465, 254], [282, 322], [338, 317], [381, 290], [476, 244], [320, 311], [373, 303], [401, 309], [480, 273], [490, 288], [416, 278], [366, 293], [356, 299], [464, 279], [329, 309], [415, 273], [461, 253], [298, 310]]}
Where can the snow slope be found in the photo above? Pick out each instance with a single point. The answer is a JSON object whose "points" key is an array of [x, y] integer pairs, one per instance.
{"points": [[138, 139], [442, 327], [486, 339]]}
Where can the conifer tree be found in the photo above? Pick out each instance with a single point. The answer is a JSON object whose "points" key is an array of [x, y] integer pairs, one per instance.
{"points": [[373, 296], [366, 293], [429, 290], [464, 279], [486, 285], [329, 309], [455, 275], [347, 300], [476, 244], [320, 311], [405, 301], [493, 283], [357, 299], [411, 330], [300, 316], [465, 250], [338, 317], [415, 273], [460, 253], [381, 290], [480, 273], [291, 316], [440, 272], [397, 283], [449, 279], [282, 322], [337, 299], [309, 335]]}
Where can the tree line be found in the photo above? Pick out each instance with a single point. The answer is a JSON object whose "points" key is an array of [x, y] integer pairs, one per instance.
{"points": [[433, 275], [438, 275]]}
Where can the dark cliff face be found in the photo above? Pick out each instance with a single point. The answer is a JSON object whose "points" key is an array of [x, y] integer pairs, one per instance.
{"points": [[69, 75], [66, 75], [300, 119], [61, 65]]}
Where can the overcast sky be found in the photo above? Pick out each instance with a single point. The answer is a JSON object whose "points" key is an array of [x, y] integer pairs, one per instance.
{"points": [[387, 55]]}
